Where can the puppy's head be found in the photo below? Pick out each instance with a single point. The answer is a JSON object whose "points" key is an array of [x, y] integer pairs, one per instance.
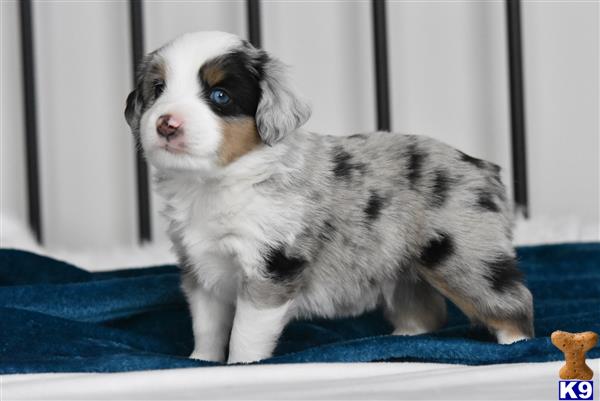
{"points": [[208, 98]]}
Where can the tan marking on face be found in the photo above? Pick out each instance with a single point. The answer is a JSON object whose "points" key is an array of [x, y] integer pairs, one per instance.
{"points": [[240, 136], [212, 74]]}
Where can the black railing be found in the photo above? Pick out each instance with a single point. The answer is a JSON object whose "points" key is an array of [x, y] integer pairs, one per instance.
{"points": [[517, 106], [143, 186], [382, 86], [31, 146], [254, 32]]}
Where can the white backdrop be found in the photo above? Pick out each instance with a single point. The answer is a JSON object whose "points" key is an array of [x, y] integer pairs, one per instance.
{"points": [[448, 80]]}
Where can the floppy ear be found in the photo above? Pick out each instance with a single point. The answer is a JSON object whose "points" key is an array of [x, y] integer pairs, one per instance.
{"points": [[280, 111], [131, 109], [135, 103]]}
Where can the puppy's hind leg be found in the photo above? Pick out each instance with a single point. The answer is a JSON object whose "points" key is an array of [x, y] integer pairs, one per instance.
{"points": [[415, 308], [486, 286]]}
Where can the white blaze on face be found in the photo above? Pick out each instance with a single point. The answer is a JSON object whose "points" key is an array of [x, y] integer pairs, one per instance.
{"points": [[182, 97]]}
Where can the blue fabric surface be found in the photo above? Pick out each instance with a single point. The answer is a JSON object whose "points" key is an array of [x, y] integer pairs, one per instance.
{"points": [[56, 317]]}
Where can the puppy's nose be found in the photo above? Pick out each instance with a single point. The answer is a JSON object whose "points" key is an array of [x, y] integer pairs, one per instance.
{"points": [[168, 126]]}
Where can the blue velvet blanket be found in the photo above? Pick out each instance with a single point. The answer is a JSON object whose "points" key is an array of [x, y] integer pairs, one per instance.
{"points": [[55, 317]]}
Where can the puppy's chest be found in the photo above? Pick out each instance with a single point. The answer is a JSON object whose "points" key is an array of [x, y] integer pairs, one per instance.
{"points": [[231, 223]]}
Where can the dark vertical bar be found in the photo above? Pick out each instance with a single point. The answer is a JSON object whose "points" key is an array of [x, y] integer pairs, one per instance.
{"points": [[517, 106], [254, 22], [143, 187], [381, 65], [31, 146]]}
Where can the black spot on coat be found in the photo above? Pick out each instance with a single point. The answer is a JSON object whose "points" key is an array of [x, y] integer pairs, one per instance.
{"points": [[374, 206], [415, 164], [485, 201], [437, 250], [441, 186], [503, 272], [283, 268], [343, 166]]}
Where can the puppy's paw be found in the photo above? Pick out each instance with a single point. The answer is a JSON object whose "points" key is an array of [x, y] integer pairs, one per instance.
{"points": [[509, 338], [207, 356], [414, 327], [412, 331], [507, 333], [234, 360], [246, 357]]}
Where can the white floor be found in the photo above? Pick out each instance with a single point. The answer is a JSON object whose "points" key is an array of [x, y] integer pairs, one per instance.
{"points": [[373, 381]]}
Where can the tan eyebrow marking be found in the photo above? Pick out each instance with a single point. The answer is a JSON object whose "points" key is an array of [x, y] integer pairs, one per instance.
{"points": [[212, 73]]}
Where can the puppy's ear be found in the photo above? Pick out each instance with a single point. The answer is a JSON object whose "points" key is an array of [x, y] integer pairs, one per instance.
{"points": [[280, 110], [132, 109], [135, 101]]}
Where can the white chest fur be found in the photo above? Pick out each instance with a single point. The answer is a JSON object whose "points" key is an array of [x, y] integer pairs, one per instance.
{"points": [[226, 228]]}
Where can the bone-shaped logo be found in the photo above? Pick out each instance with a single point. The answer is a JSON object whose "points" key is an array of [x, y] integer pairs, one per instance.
{"points": [[574, 346]]}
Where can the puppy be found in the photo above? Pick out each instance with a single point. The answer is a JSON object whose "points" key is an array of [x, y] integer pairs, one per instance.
{"points": [[271, 222]]}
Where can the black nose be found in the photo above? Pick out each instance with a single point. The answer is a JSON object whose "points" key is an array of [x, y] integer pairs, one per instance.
{"points": [[168, 126]]}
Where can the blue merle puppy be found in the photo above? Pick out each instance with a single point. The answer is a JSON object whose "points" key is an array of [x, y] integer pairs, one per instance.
{"points": [[271, 222]]}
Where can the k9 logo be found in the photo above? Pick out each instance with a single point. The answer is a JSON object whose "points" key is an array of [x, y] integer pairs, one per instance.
{"points": [[575, 390]]}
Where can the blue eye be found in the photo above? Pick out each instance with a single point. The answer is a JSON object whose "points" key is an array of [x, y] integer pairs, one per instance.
{"points": [[219, 97]]}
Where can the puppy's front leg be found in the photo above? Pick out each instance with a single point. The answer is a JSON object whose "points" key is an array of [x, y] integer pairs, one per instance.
{"points": [[259, 320], [211, 323]]}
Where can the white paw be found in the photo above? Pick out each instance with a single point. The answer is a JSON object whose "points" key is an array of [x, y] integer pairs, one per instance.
{"points": [[207, 356], [409, 332], [411, 329], [509, 338], [244, 358], [249, 354]]}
